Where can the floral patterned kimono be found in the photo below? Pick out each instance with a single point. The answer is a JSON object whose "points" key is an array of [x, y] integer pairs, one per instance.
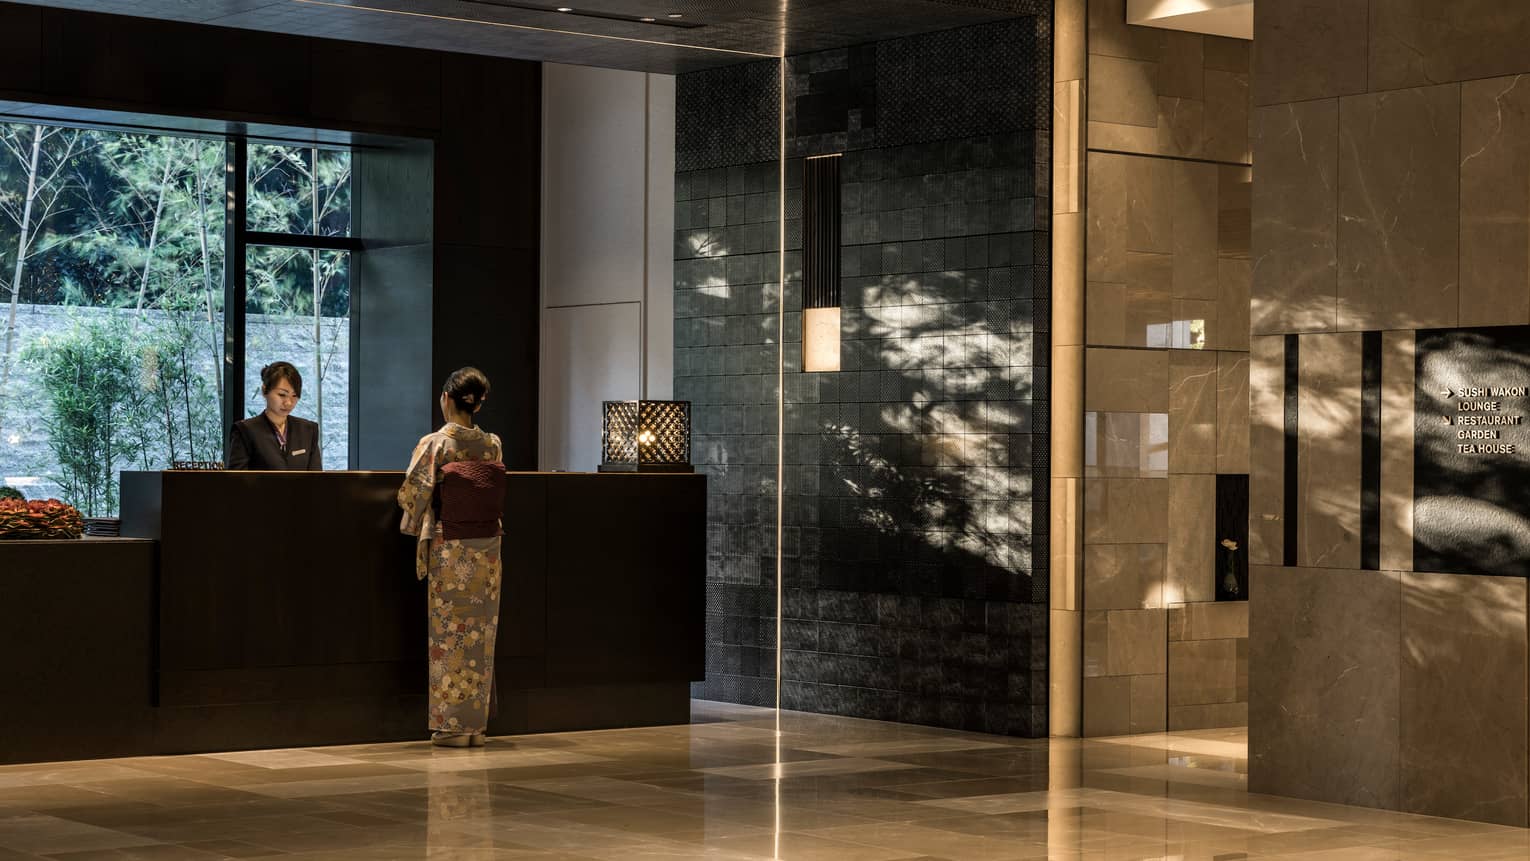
{"points": [[464, 585]]}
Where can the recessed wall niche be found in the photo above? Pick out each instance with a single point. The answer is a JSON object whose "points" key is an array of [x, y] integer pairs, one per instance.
{"points": [[1232, 538]]}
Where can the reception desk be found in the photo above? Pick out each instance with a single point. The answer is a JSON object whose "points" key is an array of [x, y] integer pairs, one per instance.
{"points": [[251, 609]]}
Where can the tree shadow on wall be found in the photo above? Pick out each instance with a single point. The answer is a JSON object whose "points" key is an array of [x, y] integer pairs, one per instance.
{"points": [[926, 486]]}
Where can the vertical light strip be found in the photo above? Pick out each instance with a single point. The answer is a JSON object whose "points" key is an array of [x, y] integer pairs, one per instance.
{"points": [[780, 423], [780, 384]]}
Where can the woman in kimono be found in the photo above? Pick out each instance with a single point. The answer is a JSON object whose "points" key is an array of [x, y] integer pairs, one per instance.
{"points": [[453, 496]]}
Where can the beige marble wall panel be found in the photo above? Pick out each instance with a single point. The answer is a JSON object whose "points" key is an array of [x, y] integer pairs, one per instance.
{"points": [[1227, 105], [1309, 49], [1192, 539], [1217, 620], [1181, 127], [1126, 380], [1124, 576], [1065, 683], [1295, 213], [1138, 642], [1464, 697], [1324, 698], [1149, 205], [1266, 461], [1133, 314], [1065, 636], [1149, 703], [1107, 706], [1419, 42], [1068, 288], [1126, 511], [1495, 201], [1232, 413], [1126, 445], [1122, 138], [1067, 146], [1109, 34], [1397, 375], [1181, 67], [1243, 648], [1328, 458], [1195, 325], [1235, 188], [1107, 321], [1067, 411], [1192, 412], [1203, 671], [1070, 58], [1227, 55], [1169, 93], [1106, 235], [1211, 716], [1234, 277], [1180, 131], [1122, 91], [1066, 543], [1096, 643], [1399, 209], [1196, 211]]}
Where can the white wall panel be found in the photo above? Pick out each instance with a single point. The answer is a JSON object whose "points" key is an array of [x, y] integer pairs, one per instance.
{"points": [[594, 185], [660, 301], [587, 357], [608, 215]]}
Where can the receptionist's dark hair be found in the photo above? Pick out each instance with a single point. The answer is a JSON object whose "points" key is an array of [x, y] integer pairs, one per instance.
{"points": [[273, 374], [468, 388]]}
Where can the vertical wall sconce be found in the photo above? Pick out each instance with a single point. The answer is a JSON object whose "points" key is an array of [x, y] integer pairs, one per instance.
{"points": [[820, 263]]}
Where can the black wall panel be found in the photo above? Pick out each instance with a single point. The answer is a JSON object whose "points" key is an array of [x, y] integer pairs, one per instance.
{"points": [[915, 479], [21, 61]]}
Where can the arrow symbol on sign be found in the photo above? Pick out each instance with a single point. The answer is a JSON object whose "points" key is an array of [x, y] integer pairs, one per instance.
{"points": [[1447, 393], [1445, 419]]}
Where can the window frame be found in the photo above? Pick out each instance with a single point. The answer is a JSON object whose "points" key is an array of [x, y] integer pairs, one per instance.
{"points": [[238, 239]]}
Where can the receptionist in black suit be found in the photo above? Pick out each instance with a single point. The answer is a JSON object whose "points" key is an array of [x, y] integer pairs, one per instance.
{"points": [[276, 439]]}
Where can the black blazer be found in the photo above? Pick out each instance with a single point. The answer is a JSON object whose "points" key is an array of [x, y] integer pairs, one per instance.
{"points": [[253, 445]]}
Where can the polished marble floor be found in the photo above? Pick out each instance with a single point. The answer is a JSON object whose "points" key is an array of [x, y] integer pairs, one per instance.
{"points": [[723, 788]]}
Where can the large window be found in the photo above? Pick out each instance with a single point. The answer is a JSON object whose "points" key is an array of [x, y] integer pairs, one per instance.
{"points": [[298, 288], [114, 277]]}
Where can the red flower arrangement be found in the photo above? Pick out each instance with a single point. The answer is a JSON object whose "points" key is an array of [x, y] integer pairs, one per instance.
{"points": [[39, 518]]}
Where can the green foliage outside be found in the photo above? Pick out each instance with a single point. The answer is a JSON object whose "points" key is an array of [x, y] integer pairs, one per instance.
{"points": [[91, 396], [127, 231]]}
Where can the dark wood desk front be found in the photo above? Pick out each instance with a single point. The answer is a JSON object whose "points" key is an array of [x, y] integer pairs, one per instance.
{"points": [[285, 610]]}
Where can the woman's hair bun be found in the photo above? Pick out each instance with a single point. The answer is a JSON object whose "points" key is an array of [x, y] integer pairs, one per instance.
{"points": [[468, 388]]}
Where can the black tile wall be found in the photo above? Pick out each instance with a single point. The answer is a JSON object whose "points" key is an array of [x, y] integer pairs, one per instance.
{"points": [[913, 550]]}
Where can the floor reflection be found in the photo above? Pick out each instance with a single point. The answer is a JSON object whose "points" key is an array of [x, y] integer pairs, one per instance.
{"points": [[728, 786]]}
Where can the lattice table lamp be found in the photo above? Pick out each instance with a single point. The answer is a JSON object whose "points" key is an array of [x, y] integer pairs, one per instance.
{"points": [[645, 436]]}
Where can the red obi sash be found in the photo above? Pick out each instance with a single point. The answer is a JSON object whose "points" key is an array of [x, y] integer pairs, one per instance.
{"points": [[472, 498]]}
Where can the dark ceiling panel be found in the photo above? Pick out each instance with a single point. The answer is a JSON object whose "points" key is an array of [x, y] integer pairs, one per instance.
{"points": [[723, 32]]}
